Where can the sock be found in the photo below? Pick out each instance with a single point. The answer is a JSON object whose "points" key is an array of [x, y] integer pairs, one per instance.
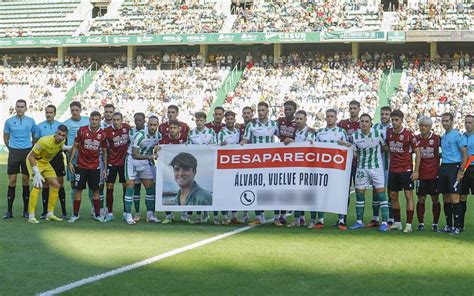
{"points": [[375, 204], [360, 204], [91, 196], [320, 216], [436, 212], [341, 218], [150, 199], [128, 200], [390, 210], [62, 200], [216, 214], [410, 216], [76, 207], [448, 213], [136, 197], [382, 199], [101, 197], [33, 200], [457, 214], [10, 198], [463, 212], [96, 203], [110, 200], [420, 211], [396, 214], [26, 197], [53, 198], [72, 194], [124, 190], [44, 199]]}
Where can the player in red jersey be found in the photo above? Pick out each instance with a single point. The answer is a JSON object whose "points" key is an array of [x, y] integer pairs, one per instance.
{"points": [[247, 115], [429, 144], [89, 141], [173, 112], [217, 124], [402, 144], [118, 139]]}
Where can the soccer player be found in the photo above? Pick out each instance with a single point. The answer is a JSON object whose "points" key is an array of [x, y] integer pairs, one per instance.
{"points": [[286, 129], [201, 135], [140, 165], [47, 128], [262, 130], [330, 134], [139, 120], [118, 139], [382, 126], [173, 112], [302, 134], [451, 172], [19, 135], [88, 143], [402, 144], [227, 136], [429, 144], [73, 124], [368, 145], [39, 163], [468, 180]]}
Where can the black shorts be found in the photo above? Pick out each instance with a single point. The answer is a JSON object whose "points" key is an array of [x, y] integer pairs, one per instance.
{"points": [[113, 171], [427, 187], [58, 164], [400, 181], [468, 181], [447, 178], [91, 177], [17, 161]]}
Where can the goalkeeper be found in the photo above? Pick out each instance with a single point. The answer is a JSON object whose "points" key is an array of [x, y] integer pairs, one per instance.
{"points": [[41, 170]]}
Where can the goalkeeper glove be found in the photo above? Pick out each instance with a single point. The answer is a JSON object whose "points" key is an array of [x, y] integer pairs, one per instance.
{"points": [[37, 178]]}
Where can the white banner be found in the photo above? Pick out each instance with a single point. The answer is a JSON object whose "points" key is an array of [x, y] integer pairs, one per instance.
{"points": [[300, 176]]}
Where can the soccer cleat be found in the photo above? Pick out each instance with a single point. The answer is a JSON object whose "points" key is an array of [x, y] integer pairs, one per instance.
{"points": [[152, 218], [342, 226], [103, 212], [26, 215], [109, 217], [73, 219], [421, 227], [294, 224], [8, 215], [390, 222], [33, 220], [255, 222], [282, 220], [215, 221], [52, 217], [384, 227], [319, 225], [64, 216], [434, 227], [43, 216], [235, 221], [100, 219], [225, 221], [311, 224], [373, 224], [408, 228], [137, 217], [277, 223], [167, 221], [356, 226], [184, 218], [455, 231], [446, 229], [397, 226]]}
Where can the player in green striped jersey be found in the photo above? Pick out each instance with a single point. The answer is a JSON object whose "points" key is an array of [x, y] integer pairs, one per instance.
{"points": [[303, 134], [330, 134], [382, 126], [368, 144], [262, 130]]}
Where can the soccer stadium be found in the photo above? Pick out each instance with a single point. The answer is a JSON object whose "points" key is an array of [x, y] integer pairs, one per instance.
{"points": [[262, 147]]}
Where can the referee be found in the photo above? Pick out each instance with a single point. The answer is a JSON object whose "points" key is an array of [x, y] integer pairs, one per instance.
{"points": [[18, 135], [468, 180], [46, 128], [454, 157]]}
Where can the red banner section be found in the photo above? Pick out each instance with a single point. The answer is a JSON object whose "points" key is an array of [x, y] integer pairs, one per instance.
{"points": [[310, 157]]}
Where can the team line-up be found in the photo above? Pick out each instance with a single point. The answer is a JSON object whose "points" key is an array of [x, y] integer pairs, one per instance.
{"points": [[101, 148]]}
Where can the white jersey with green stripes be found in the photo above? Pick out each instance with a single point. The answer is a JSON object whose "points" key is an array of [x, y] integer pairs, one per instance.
{"points": [[258, 132], [229, 136], [369, 149], [202, 137], [330, 135], [385, 154], [133, 132], [145, 142], [304, 135]]}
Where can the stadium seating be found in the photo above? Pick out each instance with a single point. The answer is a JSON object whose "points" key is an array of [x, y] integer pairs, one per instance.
{"points": [[38, 18]]}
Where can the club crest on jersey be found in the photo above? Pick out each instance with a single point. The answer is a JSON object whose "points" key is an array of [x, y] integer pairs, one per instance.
{"points": [[99, 136], [431, 142], [124, 130], [402, 137]]}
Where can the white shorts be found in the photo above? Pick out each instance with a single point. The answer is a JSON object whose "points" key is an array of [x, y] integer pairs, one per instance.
{"points": [[370, 177], [139, 169]]}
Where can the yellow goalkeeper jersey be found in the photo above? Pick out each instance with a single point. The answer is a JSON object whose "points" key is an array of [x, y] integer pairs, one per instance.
{"points": [[46, 148]]}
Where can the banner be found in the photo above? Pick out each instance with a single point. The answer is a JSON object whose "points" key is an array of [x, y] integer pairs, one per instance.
{"points": [[299, 176], [354, 36]]}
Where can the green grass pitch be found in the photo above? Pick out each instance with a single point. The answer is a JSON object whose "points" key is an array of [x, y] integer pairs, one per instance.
{"points": [[262, 261]]}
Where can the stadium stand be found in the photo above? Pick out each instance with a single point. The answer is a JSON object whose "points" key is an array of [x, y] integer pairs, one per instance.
{"points": [[159, 18], [38, 18]]}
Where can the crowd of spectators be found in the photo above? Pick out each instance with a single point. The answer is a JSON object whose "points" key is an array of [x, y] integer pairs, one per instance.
{"points": [[151, 91], [155, 17], [17, 32]]}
